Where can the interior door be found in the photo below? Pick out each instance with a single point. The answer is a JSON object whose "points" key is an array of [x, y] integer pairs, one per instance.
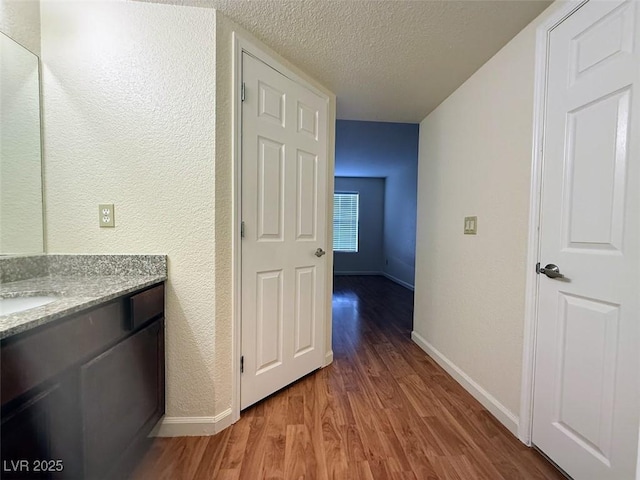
{"points": [[284, 214], [586, 401]]}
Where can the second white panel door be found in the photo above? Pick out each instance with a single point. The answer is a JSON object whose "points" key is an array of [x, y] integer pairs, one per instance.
{"points": [[284, 185], [586, 402]]}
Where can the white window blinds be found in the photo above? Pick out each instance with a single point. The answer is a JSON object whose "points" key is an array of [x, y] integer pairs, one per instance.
{"points": [[345, 222]]}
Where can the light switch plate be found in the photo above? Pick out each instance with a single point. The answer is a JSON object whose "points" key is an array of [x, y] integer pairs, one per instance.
{"points": [[470, 225], [106, 215]]}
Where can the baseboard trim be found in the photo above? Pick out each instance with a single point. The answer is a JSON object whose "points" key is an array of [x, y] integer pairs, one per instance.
{"points": [[192, 426], [328, 358], [398, 281], [381, 274], [502, 413], [351, 273]]}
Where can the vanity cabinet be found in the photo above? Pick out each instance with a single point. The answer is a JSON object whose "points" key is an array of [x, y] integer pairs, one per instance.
{"points": [[39, 434], [81, 394], [122, 393]]}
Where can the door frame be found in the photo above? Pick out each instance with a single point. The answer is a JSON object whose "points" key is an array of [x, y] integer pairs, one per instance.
{"points": [[525, 424], [242, 44]]}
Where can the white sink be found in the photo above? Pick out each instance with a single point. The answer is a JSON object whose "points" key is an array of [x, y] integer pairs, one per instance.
{"points": [[20, 304]]}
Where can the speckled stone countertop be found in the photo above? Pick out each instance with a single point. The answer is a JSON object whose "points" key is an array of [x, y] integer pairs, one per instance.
{"points": [[81, 282]]}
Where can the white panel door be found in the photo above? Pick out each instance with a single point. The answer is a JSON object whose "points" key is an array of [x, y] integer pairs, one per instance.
{"points": [[586, 401], [284, 185]]}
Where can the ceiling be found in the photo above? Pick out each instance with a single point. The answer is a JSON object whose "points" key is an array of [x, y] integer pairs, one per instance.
{"points": [[386, 60]]}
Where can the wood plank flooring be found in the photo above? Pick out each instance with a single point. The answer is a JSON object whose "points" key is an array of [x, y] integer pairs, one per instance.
{"points": [[382, 410]]}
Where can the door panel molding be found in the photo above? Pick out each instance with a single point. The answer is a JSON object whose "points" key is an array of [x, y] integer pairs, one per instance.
{"points": [[244, 43]]}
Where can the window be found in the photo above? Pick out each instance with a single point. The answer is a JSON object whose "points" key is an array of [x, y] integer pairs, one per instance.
{"points": [[345, 221]]}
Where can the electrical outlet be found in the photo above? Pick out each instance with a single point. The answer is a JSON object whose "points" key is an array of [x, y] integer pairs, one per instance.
{"points": [[470, 225], [106, 215]]}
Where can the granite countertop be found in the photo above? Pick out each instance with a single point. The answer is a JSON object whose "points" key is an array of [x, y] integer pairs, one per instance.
{"points": [[77, 294], [81, 282]]}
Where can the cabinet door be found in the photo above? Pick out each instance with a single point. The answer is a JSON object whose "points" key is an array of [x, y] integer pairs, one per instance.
{"points": [[41, 434], [122, 395]]}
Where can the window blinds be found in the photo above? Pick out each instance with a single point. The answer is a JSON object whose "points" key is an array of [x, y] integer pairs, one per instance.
{"points": [[345, 222]]}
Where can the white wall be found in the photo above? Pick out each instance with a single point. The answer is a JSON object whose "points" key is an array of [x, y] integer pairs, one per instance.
{"points": [[371, 221], [223, 203], [20, 19], [475, 159], [21, 220], [129, 117]]}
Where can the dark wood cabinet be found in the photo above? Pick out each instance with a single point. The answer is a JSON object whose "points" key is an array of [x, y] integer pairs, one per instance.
{"points": [[39, 435], [80, 396], [121, 396]]}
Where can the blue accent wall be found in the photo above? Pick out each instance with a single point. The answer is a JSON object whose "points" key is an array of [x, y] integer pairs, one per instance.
{"points": [[368, 258], [390, 151]]}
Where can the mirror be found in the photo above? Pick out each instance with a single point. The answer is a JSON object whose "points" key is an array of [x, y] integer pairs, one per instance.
{"points": [[21, 217]]}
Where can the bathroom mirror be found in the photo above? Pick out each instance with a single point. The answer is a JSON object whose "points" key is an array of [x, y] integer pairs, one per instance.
{"points": [[21, 217]]}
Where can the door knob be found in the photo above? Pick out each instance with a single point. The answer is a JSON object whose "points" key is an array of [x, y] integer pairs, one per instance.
{"points": [[319, 252], [550, 270]]}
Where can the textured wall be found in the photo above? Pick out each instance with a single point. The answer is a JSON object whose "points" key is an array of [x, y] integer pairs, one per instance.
{"points": [[368, 259], [224, 213], [21, 222], [475, 159], [389, 150], [129, 97], [20, 19]]}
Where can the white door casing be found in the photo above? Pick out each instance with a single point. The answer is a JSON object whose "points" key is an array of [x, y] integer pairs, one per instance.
{"points": [[586, 402], [284, 215]]}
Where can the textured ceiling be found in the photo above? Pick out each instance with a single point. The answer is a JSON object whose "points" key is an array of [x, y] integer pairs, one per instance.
{"points": [[386, 60]]}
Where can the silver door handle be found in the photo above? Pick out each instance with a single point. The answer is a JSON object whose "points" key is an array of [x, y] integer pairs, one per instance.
{"points": [[550, 270], [319, 252]]}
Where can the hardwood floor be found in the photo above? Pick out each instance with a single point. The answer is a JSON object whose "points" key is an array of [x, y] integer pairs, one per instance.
{"points": [[382, 410]]}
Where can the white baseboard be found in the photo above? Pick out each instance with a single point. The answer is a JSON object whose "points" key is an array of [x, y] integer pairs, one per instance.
{"points": [[502, 413], [398, 281], [192, 426], [381, 274], [328, 358], [349, 273]]}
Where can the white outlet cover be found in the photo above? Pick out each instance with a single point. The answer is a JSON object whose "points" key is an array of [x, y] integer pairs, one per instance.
{"points": [[106, 215]]}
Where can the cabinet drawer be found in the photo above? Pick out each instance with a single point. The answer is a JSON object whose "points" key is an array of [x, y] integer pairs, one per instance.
{"points": [[146, 306], [28, 360]]}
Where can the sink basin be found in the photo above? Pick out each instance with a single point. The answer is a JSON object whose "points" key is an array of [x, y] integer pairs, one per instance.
{"points": [[20, 304]]}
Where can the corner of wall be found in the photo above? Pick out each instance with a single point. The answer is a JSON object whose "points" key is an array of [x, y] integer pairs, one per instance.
{"points": [[192, 426]]}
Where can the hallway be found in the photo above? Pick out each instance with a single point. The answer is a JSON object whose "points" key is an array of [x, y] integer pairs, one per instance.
{"points": [[382, 410]]}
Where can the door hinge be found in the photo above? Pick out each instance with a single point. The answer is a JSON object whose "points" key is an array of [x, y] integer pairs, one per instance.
{"points": [[242, 92], [242, 364], [538, 268], [242, 229]]}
